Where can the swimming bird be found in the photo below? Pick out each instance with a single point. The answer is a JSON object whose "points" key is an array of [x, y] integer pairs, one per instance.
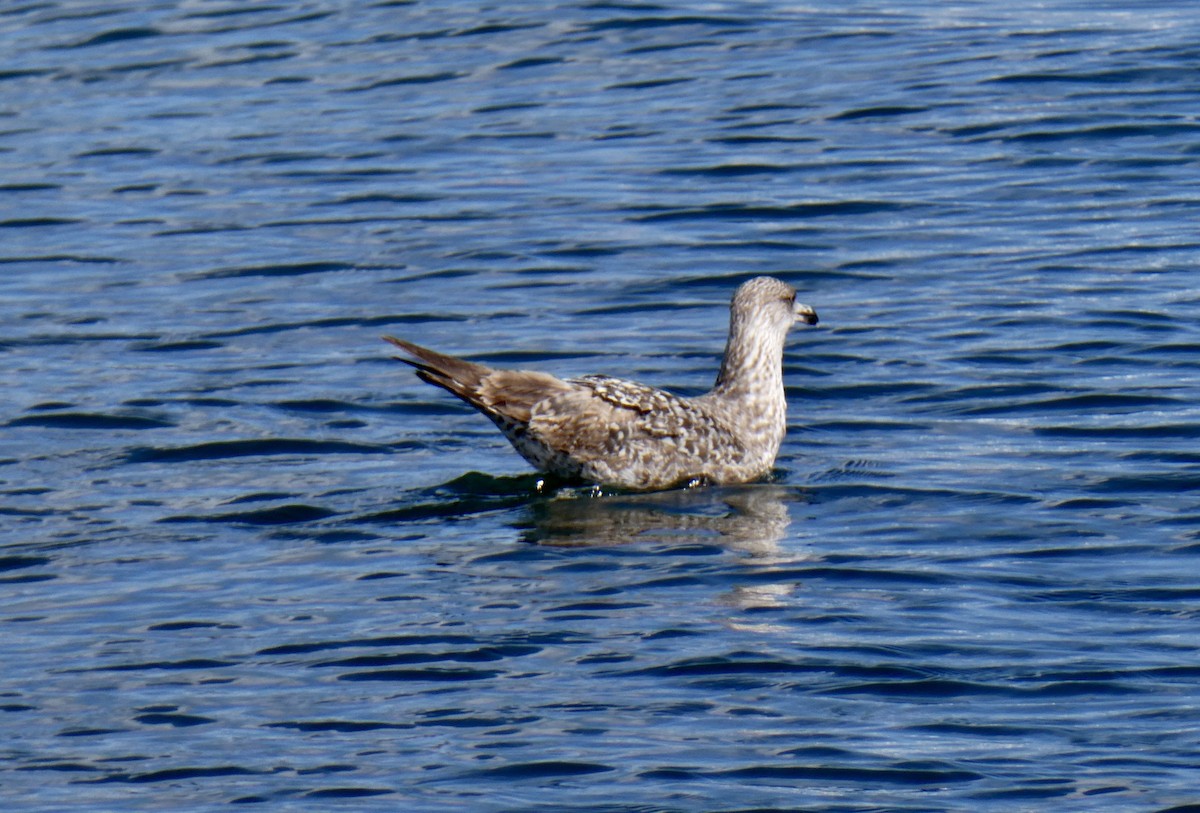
{"points": [[612, 432]]}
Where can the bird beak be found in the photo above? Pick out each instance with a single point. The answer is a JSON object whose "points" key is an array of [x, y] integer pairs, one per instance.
{"points": [[805, 314]]}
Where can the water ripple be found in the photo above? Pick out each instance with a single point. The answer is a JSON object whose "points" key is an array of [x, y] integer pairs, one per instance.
{"points": [[216, 450], [229, 516]]}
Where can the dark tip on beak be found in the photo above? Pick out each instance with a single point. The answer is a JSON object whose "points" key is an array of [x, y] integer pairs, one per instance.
{"points": [[806, 314]]}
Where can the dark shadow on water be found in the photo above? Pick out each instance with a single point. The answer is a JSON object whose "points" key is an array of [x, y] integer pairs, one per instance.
{"points": [[471, 493]]}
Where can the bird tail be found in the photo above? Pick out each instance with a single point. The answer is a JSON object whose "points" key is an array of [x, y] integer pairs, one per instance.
{"points": [[457, 376]]}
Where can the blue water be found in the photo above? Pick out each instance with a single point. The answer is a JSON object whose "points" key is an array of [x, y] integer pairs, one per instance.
{"points": [[247, 557]]}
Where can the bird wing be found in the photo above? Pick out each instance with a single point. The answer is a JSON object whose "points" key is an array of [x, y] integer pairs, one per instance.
{"points": [[633, 396], [615, 422], [506, 394]]}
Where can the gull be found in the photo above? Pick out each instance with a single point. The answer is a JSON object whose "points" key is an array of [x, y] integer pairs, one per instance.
{"points": [[622, 434]]}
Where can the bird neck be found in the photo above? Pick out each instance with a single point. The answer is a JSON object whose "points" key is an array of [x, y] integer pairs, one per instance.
{"points": [[753, 362]]}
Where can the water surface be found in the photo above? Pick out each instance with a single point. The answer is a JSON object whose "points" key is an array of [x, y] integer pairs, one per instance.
{"points": [[249, 558]]}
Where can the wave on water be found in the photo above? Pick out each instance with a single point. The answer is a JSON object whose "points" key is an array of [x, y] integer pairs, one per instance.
{"points": [[241, 562]]}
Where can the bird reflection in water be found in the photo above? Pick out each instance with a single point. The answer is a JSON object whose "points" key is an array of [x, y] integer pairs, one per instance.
{"points": [[749, 519], [752, 520]]}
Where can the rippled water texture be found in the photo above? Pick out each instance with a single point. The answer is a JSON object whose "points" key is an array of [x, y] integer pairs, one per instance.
{"points": [[247, 557]]}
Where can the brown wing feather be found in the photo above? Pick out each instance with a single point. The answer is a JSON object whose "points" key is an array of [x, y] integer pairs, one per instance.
{"points": [[514, 393], [459, 376], [508, 394], [603, 427], [605, 418]]}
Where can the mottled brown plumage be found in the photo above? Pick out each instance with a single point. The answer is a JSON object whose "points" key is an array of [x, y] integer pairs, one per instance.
{"points": [[614, 432]]}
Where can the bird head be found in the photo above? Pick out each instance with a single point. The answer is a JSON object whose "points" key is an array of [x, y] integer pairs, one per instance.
{"points": [[766, 299]]}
